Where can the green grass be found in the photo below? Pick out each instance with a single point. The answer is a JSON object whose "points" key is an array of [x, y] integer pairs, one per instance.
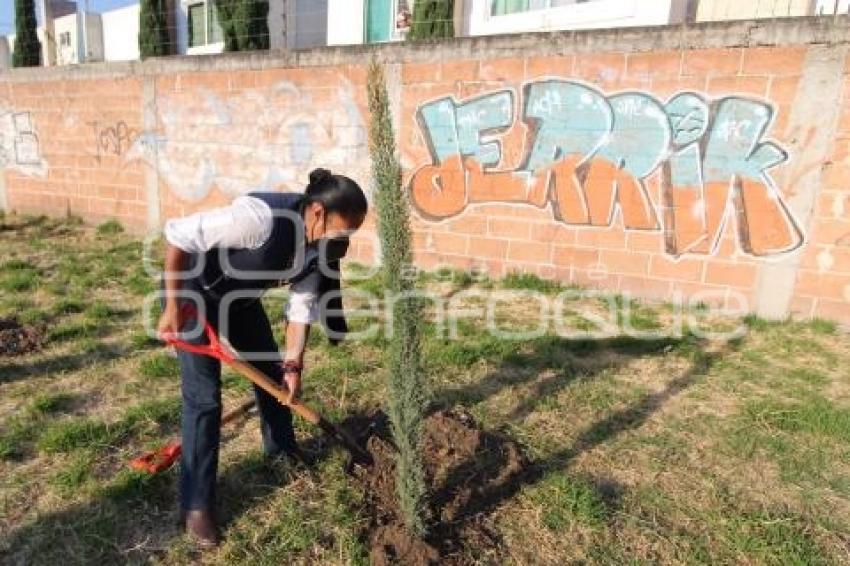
{"points": [[67, 305], [140, 283], [74, 474], [19, 281], [160, 365], [529, 282], [664, 451], [25, 426], [48, 403], [141, 340], [100, 311], [71, 330], [816, 416], [73, 434], [163, 413], [823, 326], [14, 437], [772, 539], [567, 500], [110, 227]]}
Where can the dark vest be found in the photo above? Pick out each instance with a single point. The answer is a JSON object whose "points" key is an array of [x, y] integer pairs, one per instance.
{"points": [[279, 261]]}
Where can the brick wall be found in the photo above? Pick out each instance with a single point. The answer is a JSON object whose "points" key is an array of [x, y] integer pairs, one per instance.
{"points": [[703, 161]]}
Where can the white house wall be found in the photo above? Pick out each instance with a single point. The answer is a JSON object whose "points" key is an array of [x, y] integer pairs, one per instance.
{"points": [[589, 15], [121, 34], [5, 54], [94, 37], [345, 22], [831, 6]]}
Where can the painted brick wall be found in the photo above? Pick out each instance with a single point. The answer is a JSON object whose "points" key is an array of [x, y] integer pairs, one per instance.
{"points": [[655, 164]]}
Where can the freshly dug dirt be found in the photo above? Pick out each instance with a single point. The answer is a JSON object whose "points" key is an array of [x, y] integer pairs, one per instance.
{"points": [[17, 338], [469, 473]]}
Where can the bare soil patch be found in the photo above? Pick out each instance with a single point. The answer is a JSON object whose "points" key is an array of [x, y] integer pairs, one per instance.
{"points": [[17, 339], [469, 472]]}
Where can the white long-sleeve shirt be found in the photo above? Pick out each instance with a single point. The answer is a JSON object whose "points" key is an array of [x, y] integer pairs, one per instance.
{"points": [[245, 224]]}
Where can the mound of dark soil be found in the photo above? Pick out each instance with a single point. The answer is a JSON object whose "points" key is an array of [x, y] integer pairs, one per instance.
{"points": [[469, 472], [17, 338]]}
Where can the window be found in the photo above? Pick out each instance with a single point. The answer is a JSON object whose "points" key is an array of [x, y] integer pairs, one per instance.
{"points": [[65, 39], [504, 7], [378, 20], [203, 24], [197, 24], [214, 28]]}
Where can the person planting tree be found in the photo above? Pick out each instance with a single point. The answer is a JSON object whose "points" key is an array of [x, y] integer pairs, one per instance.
{"points": [[220, 262]]}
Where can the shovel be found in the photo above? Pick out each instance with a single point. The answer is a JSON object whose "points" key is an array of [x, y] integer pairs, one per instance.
{"points": [[218, 350], [164, 457]]}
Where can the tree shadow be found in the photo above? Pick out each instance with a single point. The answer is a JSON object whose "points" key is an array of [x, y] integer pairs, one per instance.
{"points": [[499, 478], [567, 361], [19, 370]]}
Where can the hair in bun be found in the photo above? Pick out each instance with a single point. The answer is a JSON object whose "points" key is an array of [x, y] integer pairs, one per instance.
{"points": [[319, 176], [336, 193]]}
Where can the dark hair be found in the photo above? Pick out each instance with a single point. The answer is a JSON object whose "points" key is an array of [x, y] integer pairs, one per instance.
{"points": [[336, 193]]}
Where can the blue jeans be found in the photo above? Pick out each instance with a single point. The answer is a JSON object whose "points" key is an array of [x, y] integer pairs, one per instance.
{"points": [[248, 330]]}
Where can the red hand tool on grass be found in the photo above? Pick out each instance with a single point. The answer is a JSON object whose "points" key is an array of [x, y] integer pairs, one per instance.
{"points": [[163, 458]]}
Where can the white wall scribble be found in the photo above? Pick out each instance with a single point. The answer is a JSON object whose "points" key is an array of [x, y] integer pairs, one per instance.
{"points": [[19, 147], [256, 138]]}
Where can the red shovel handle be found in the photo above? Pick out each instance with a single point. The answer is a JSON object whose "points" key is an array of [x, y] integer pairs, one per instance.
{"points": [[214, 349]]}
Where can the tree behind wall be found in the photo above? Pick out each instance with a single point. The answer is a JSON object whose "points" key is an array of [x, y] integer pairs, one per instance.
{"points": [[407, 387], [153, 28], [244, 24], [432, 19], [27, 50]]}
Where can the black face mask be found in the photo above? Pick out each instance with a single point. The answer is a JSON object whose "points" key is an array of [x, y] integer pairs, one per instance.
{"points": [[330, 249]]}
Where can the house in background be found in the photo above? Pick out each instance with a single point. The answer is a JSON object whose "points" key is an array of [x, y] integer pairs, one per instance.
{"points": [[830, 7], [79, 38], [489, 17], [193, 29], [5, 54], [199, 32], [299, 24], [121, 33], [717, 10], [369, 21], [307, 22], [59, 9], [375, 21]]}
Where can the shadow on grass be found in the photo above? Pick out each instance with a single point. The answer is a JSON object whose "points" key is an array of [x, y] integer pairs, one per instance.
{"points": [[618, 422], [16, 371], [569, 360], [135, 519]]}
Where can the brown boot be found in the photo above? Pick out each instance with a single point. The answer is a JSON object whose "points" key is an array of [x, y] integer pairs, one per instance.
{"points": [[201, 527]]}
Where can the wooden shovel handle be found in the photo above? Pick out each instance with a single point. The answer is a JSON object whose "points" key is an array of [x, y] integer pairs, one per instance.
{"points": [[278, 391]]}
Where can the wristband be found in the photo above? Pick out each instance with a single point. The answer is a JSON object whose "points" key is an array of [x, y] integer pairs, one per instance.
{"points": [[291, 366]]}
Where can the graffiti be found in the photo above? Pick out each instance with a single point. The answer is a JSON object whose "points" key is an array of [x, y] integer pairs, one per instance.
{"points": [[589, 157], [256, 138], [19, 146], [112, 140]]}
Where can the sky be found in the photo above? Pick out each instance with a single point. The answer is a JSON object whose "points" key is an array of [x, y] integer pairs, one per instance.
{"points": [[7, 12]]}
